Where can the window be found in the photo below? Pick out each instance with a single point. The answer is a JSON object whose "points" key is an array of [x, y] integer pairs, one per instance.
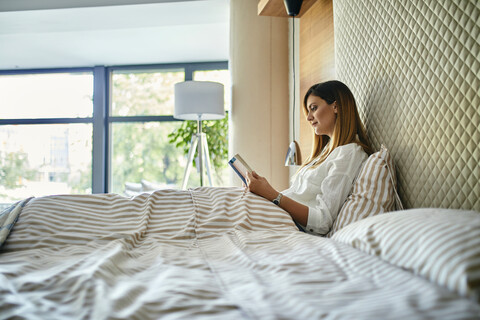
{"points": [[144, 92], [140, 150], [49, 95], [56, 137], [46, 136]]}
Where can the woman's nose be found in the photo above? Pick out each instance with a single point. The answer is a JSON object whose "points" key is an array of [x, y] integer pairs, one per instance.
{"points": [[309, 116]]}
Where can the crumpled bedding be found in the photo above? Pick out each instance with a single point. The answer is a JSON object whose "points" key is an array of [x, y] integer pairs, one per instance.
{"points": [[8, 218], [205, 253]]}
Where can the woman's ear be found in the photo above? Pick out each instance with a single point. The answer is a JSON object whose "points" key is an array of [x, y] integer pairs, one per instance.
{"points": [[335, 109]]}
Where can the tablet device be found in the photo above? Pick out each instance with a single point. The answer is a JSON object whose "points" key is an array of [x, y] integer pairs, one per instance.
{"points": [[240, 167]]}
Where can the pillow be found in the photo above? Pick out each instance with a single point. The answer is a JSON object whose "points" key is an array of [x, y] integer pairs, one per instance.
{"points": [[374, 191], [441, 245], [149, 187]]}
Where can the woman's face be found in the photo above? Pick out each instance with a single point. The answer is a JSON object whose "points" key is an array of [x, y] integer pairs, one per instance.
{"points": [[321, 115]]}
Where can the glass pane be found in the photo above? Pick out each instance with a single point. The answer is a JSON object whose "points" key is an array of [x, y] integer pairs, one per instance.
{"points": [[144, 93], [53, 95], [38, 160], [222, 76], [141, 153], [143, 159]]}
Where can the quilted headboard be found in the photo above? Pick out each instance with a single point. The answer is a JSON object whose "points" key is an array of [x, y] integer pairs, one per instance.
{"points": [[414, 68]]}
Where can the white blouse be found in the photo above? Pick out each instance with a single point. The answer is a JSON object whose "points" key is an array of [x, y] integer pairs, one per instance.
{"points": [[325, 188]]}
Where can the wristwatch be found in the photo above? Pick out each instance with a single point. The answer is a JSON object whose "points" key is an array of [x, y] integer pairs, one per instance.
{"points": [[277, 199]]}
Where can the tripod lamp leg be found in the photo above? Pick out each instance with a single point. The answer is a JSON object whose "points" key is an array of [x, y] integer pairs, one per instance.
{"points": [[207, 158], [191, 153]]}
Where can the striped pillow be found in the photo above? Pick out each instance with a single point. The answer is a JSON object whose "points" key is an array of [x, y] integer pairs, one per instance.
{"points": [[441, 245], [374, 191]]}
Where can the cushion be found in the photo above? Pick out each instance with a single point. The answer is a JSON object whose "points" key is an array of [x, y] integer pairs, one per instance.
{"points": [[441, 245], [374, 191]]}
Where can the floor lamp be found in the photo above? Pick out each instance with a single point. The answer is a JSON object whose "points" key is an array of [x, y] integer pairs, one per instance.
{"points": [[199, 100]]}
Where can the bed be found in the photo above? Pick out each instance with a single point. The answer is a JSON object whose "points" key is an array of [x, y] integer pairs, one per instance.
{"points": [[225, 253], [405, 245]]}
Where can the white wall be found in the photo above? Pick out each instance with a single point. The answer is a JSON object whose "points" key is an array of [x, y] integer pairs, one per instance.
{"points": [[18, 5], [260, 99], [74, 33]]}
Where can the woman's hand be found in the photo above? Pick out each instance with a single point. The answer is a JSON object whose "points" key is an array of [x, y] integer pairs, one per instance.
{"points": [[259, 185]]}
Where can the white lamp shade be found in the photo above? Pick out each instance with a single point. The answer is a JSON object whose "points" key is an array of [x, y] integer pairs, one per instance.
{"points": [[199, 100]]}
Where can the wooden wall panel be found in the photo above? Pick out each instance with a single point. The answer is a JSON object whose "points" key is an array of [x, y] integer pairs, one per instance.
{"points": [[317, 59]]}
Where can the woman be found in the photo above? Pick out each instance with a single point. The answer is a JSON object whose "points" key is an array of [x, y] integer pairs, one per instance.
{"points": [[324, 181]]}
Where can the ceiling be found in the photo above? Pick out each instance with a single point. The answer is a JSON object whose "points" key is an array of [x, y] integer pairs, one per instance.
{"points": [[79, 33]]}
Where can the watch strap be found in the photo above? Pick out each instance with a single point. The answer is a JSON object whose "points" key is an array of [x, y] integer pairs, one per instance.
{"points": [[277, 199]]}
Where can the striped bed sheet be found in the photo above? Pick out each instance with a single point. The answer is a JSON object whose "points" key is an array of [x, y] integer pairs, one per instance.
{"points": [[204, 253]]}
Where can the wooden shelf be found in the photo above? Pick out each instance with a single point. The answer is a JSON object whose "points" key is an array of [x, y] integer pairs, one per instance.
{"points": [[276, 8]]}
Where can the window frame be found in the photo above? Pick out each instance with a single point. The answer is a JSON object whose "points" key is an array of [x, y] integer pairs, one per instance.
{"points": [[101, 119]]}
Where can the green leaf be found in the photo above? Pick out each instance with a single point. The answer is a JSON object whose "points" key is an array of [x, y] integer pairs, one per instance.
{"points": [[216, 132]]}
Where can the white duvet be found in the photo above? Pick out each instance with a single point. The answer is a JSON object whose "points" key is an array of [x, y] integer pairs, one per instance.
{"points": [[213, 253]]}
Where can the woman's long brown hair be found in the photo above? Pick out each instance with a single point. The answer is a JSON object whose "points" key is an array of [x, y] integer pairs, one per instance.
{"points": [[348, 125]]}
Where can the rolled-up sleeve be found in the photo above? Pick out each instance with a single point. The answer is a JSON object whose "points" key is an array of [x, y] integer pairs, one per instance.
{"points": [[339, 172], [334, 190]]}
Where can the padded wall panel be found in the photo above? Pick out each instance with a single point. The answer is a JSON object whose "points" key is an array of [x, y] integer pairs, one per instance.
{"points": [[413, 67]]}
